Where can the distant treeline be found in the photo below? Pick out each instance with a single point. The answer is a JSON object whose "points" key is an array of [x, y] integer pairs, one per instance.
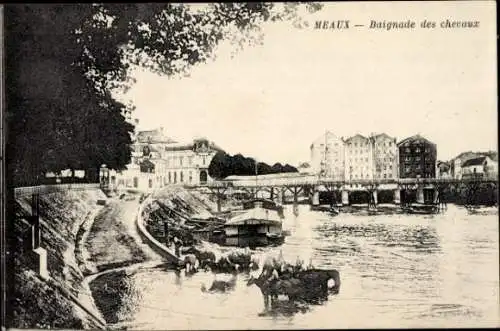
{"points": [[224, 165]]}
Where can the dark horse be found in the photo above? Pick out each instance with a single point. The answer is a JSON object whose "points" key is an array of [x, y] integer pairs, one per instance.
{"points": [[307, 285], [317, 282]]}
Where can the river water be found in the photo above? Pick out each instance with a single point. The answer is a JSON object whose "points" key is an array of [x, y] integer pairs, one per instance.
{"points": [[396, 270]]}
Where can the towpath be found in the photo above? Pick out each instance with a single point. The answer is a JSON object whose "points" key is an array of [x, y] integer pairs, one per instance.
{"points": [[113, 241]]}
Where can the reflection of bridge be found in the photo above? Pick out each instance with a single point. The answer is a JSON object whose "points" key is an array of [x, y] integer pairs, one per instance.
{"points": [[429, 190]]}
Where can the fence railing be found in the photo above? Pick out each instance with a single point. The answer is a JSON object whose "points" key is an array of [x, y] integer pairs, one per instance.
{"points": [[310, 180], [44, 189]]}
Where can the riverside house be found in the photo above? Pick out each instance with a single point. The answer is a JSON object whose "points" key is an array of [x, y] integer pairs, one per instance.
{"points": [[482, 166]]}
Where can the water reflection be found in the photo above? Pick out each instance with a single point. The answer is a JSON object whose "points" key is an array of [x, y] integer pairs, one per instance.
{"points": [[415, 238], [403, 270]]}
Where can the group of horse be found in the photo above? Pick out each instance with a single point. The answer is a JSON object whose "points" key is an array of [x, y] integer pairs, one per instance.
{"points": [[310, 285]]}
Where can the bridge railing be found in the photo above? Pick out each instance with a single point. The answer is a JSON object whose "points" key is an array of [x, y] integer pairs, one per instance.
{"points": [[313, 180]]}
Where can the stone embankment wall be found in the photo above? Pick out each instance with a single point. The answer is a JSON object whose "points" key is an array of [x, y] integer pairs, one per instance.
{"points": [[156, 245], [62, 300]]}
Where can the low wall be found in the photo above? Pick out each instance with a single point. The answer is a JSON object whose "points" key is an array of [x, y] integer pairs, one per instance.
{"points": [[153, 243], [42, 189]]}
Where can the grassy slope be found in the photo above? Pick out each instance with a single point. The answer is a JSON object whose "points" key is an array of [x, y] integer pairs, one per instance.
{"points": [[35, 302]]}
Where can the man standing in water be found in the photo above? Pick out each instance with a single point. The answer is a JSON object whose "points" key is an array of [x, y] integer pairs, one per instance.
{"points": [[177, 244]]}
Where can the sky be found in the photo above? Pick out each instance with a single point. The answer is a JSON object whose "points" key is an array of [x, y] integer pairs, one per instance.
{"points": [[271, 101]]}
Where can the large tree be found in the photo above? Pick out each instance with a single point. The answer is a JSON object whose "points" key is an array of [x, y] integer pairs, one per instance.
{"points": [[63, 61], [223, 165]]}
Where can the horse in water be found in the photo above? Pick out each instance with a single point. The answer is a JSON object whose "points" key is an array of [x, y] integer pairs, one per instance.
{"points": [[292, 288], [306, 285], [223, 285], [319, 283], [191, 263]]}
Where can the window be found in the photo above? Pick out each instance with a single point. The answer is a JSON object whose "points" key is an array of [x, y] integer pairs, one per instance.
{"points": [[417, 150], [407, 150], [385, 176], [181, 159], [390, 175], [182, 177], [169, 177]]}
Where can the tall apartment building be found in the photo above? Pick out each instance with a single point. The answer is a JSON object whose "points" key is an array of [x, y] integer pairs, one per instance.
{"points": [[327, 156], [358, 158], [417, 158], [385, 156]]}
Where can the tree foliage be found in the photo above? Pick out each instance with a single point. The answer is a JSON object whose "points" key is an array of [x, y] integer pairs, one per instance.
{"points": [[63, 61], [223, 165]]}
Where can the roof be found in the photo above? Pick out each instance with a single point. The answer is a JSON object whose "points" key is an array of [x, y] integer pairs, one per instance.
{"points": [[474, 162], [153, 136], [328, 135], [268, 176], [181, 146], [356, 137], [256, 215], [415, 137], [464, 156], [382, 135]]}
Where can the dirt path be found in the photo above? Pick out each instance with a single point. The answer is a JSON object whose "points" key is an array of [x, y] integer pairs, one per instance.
{"points": [[113, 240]]}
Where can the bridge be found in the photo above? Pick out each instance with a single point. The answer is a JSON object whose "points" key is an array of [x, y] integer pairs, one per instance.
{"points": [[429, 190]]}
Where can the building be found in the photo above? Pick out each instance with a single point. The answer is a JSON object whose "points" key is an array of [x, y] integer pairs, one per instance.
{"points": [[417, 158], [157, 161], [187, 163], [443, 170], [358, 158], [327, 156], [385, 156], [482, 166], [457, 162]]}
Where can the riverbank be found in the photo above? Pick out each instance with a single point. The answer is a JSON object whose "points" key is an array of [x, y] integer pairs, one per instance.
{"points": [[62, 300], [112, 241]]}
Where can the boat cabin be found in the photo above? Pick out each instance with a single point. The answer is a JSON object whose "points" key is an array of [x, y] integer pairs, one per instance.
{"points": [[259, 217]]}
